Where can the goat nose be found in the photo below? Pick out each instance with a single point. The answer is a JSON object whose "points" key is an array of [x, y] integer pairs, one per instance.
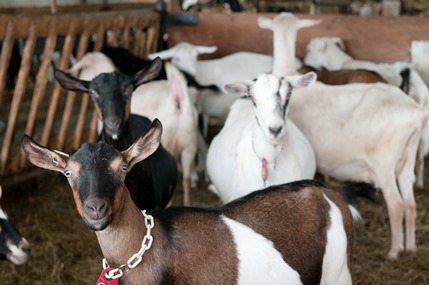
{"points": [[275, 130], [112, 122], [26, 248], [96, 208]]}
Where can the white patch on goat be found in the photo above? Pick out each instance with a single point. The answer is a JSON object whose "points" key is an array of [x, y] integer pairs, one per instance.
{"points": [[335, 269], [259, 261], [17, 256], [3, 214]]}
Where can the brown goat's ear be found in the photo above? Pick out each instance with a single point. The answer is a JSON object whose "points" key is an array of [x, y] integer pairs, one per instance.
{"points": [[71, 83], [148, 73], [145, 145], [42, 156]]}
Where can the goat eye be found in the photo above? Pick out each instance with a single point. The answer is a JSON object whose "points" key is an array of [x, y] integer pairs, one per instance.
{"points": [[67, 173], [124, 168]]}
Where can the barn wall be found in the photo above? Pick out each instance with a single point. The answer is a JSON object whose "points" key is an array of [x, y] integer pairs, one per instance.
{"points": [[374, 38], [47, 3], [35, 104]]}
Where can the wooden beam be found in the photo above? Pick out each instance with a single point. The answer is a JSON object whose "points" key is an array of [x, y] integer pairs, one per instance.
{"points": [[379, 39]]}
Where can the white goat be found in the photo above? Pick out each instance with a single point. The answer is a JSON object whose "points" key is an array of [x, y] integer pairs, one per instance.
{"points": [[91, 65], [234, 67], [169, 101], [258, 146], [329, 53], [359, 132]]}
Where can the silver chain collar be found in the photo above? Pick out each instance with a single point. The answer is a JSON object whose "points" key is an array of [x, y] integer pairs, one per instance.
{"points": [[274, 162], [136, 258]]}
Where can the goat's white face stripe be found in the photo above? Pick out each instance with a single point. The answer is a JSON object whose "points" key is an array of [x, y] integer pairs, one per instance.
{"points": [[335, 269], [259, 261]]}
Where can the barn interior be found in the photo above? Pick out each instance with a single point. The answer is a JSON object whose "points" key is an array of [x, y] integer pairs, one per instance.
{"points": [[38, 36]]}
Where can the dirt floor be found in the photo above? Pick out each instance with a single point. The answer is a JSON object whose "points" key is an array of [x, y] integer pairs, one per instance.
{"points": [[64, 251]]}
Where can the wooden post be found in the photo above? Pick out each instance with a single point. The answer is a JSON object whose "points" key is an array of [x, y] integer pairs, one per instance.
{"points": [[18, 94], [41, 82]]}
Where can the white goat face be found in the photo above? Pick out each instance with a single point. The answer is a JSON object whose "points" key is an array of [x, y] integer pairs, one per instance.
{"points": [[322, 52], [270, 95]]}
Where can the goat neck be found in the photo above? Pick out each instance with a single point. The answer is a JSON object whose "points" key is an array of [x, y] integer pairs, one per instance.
{"points": [[264, 148], [123, 238], [128, 225], [284, 52]]}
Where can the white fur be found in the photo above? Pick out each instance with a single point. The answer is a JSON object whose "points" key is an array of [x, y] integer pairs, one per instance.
{"points": [[359, 132], [235, 67], [326, 52], [17, 256], [336, 250], [420, 59], [92, 64], [234, 156], [259, 261], [158, 99], [3, 214]]}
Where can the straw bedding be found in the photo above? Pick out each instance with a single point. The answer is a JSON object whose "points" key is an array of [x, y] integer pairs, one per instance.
{"points": [[64, 251]]}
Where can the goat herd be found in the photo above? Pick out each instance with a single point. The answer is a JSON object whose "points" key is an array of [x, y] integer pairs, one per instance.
{"points": [[279, 127]]}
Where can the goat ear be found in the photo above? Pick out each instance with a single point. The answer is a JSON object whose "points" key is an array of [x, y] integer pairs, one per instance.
{"points": [[165, 54], [148, 73], [302, 80], [71, 83], [146, 145], [206, 49], [306, 23], [265, 23], [339, 42], [42, 156], [237, 88]]}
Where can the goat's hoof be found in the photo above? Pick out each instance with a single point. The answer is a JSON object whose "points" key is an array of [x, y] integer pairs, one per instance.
{"points": [[411, 249], [393, 254]]}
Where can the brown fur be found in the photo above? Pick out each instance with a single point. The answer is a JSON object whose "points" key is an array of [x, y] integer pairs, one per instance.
{"points": [[344, 76]]}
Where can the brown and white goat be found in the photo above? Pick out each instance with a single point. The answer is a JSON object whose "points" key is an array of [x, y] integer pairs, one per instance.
{"points": [[297, 233]]}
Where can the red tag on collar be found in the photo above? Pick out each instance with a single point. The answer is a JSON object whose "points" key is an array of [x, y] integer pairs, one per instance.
{"points": [[102, 280], [264, 170]]}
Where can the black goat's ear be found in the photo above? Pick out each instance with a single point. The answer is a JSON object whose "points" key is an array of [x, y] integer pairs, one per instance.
{"points": [[148, 73], [71, 83]]}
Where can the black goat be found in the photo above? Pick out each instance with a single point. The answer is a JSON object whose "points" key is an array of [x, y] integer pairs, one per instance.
{"points": [[152, 182]]}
